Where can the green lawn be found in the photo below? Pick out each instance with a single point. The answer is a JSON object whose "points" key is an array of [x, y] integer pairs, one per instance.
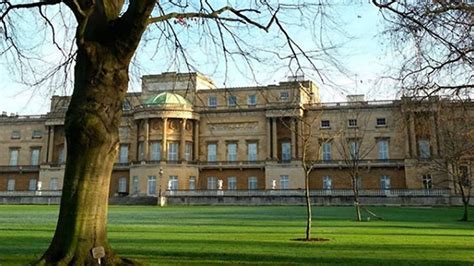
{"points": [[256, 235]]}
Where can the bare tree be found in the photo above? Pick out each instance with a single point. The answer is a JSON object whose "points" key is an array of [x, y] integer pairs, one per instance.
{"points": [[353, 148], [456, 130], [105, 37], [433, 41]]}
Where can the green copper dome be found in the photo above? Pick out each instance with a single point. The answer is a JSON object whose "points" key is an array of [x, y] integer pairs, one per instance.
{"points": [[166, 98]]}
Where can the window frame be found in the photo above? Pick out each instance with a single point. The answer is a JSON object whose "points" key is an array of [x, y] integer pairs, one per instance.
{"points": [[212, 157], [151, 188], [35, 156], [323, 122], [212, 101], [252, 157], [14, 156], [383, 149], [231, 101], [232, 183], [352, 122], [286, 97], [173, 151], [327, 182], [284, 181], [285, 146], [380, 119], [252, 182], [252, 100], [232, 157]]}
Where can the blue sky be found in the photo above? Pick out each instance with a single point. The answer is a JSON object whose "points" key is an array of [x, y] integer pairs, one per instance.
{"points": [[364, 56]]}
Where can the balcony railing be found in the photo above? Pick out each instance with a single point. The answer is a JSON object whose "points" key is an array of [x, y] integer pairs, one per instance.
{"points": [[321, 192], [42, 193], [19, 168], [231, 164], [264, 193]]}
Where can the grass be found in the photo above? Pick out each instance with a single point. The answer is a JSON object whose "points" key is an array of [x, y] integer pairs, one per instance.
{"points": [[256, 235]]}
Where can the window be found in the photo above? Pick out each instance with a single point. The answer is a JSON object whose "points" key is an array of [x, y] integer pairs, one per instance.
{"points": [[354, 149], [252, 100], [212, 101], [352, 122], [173, 148], [327, 182], [155, 151], [383, 149], [231, 152], [188, 151], [61, 155], [326, 151], [53, 183], [381, 122], [283, 182], [135, 185], [122, 185], [11, 184], [286, 151], [284, 96], [32, 184], [123, 155], [252, 182], [35, 153], [14, 157], [325, 124], [192, 183], [252, 151], [151, 185], [211, 152], [16, 134], [427, 182], [385, 182], [231, 101], [173, 182], [37, 134], [232, 183], [424, 148], [141, 151], [212, 183]]}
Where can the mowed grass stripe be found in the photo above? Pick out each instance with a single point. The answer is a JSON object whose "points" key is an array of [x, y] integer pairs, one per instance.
{"points": [[227, 235]]}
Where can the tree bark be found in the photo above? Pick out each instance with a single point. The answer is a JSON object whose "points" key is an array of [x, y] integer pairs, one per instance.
{"points": [[91, 126], [355, 190], [308, 207]]}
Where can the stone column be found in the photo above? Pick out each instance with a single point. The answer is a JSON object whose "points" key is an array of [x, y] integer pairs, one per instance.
{"points": [[299, 141], [269, 138], [274, 139], [51, 144], [413, 149], [293, 138], [164, 144], [407, 137], [182, 140], [196, 140], [146, 143], [49, 150]]}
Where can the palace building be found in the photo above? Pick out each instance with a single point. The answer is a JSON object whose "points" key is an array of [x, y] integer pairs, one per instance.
{"points": [[181, 133]]}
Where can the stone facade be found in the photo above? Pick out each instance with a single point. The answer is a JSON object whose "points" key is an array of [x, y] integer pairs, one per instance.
{"points": [[239, 139]]}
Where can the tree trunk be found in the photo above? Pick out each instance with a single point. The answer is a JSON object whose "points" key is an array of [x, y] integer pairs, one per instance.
{"points": [[308, 208], [91, 126], [355, 190], [465, 216]]}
